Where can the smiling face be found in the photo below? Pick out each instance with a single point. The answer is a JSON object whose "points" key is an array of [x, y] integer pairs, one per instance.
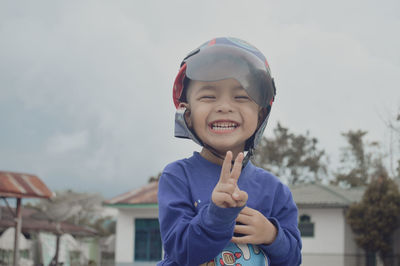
{"points": [[221, 114]]}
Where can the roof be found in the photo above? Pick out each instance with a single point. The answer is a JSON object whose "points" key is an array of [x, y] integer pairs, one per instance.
{"points": [[305, 195], [17, 185], [318, 195], [31, 224], [144, 196]]}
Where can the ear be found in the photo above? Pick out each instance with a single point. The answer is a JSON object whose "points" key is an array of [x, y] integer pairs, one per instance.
{"points": [[183, 105], [187, 114]]}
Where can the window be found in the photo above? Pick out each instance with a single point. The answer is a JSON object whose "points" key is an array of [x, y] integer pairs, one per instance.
{"points": [[7, 256], [306, 227], [147, 240], [74, 258], [107, 258]]}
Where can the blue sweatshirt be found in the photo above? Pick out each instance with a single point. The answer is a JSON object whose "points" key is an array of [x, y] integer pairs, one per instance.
{"points": [[194, 230]]}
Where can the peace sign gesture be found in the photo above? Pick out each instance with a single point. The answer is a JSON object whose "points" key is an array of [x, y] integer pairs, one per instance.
{"points": [[226, 193]]}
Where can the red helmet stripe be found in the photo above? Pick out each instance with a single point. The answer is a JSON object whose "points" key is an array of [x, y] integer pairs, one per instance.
{"points": [[212, 42], [178, 85]]}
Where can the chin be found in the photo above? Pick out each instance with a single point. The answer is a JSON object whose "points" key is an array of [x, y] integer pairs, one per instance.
{"points": [[224, 149]]}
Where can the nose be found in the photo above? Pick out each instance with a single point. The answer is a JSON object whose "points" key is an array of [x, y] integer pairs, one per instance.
{"points": [[224, 106]]}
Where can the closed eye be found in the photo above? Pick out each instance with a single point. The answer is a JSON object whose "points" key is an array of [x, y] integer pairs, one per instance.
{"points": [[207, 97], [242, 97]]}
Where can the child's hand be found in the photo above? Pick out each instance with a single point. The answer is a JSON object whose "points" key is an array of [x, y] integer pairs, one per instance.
{"points": [[226, 193], [256, 228]]}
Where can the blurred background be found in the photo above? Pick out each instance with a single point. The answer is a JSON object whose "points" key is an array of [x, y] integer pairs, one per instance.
{"points": [[86, 87]]}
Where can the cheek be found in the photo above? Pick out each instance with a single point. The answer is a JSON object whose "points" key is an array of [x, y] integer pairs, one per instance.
{"points": [[253, 115], [197, 117]]}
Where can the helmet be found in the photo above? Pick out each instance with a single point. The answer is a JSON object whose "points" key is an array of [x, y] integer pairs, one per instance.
{"points": [[224, 58]]}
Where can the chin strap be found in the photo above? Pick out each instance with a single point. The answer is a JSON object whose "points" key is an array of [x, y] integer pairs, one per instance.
{"points": [[247, 157], [215, 153]]}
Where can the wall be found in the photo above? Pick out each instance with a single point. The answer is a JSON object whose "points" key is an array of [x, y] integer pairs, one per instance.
{"points": [[327, 246], [125, 234]]}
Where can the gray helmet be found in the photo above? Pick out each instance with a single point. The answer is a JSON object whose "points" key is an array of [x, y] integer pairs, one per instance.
{"points": [[220, 59]]}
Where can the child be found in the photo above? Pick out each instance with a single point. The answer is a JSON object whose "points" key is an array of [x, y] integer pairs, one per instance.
{"points": [[216, 207]]}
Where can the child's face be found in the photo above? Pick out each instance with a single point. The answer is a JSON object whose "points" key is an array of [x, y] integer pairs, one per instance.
{"points": [[222, 114]]}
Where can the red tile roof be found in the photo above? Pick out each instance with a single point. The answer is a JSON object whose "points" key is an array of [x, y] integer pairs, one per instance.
{"points": [[17, 185], [144, 195]]}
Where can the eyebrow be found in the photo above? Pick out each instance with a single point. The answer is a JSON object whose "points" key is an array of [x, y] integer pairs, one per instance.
{"points": [[207, 88]]}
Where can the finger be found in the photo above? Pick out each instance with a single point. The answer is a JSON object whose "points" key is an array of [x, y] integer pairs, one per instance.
{"points": [[243, 239], [248, 211], [240, 197], [226, 167], [236, 193], [225, 200], [237, 166], [244, 219], [243, 229], [226, 188]]}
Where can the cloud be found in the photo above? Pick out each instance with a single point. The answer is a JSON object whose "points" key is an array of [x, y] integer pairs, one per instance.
{"points": [[66, 143], [88, 86]]}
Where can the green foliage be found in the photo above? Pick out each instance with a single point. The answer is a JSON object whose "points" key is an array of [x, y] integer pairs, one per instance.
{"points": [[395, 127], [358, 160], [398, 169], [295, 158], [377, 216], [154, 178], [393, 124]]}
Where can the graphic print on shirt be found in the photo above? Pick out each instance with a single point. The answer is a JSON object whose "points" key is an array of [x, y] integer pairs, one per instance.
{"points": [[239, 255]]}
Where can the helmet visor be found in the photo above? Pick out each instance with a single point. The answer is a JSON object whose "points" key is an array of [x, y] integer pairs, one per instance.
{"points": [[223, 62]]}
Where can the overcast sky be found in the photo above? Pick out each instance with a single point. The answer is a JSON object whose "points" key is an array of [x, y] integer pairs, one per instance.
{"points": [[86, 86]]}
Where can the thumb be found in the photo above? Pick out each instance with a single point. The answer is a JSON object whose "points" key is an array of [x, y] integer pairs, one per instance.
{"points": [[240, 196]]}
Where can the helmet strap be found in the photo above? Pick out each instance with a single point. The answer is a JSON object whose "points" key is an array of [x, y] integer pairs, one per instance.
{"points": [[216, 154], [247, 157], [213, 151]]}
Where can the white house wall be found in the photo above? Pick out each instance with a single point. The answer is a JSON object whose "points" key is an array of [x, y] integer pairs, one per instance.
{"points": [[327, 246], [124, 239], [125, 234]]}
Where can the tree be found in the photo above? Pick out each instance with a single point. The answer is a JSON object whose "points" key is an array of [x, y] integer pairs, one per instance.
{"points": [[377, 216], [392, 123], [155, 178], [398, 169], [104, 226], [358, 160], [78, 208], [294, 158], [394, 129]]}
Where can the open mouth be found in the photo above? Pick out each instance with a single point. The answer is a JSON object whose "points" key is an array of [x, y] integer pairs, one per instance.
{"points": [[223, 126]]}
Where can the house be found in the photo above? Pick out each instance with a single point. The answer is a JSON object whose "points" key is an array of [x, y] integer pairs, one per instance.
{"points": [[37, 235], [38, 239], [138, 240], [327, 239]]}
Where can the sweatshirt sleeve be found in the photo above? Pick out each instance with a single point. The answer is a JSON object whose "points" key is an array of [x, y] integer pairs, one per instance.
{"points": [[285, 250], [190, 237]]}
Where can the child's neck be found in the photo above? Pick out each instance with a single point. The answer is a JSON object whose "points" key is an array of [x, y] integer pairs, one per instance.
{"points": [[212, 157]]}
